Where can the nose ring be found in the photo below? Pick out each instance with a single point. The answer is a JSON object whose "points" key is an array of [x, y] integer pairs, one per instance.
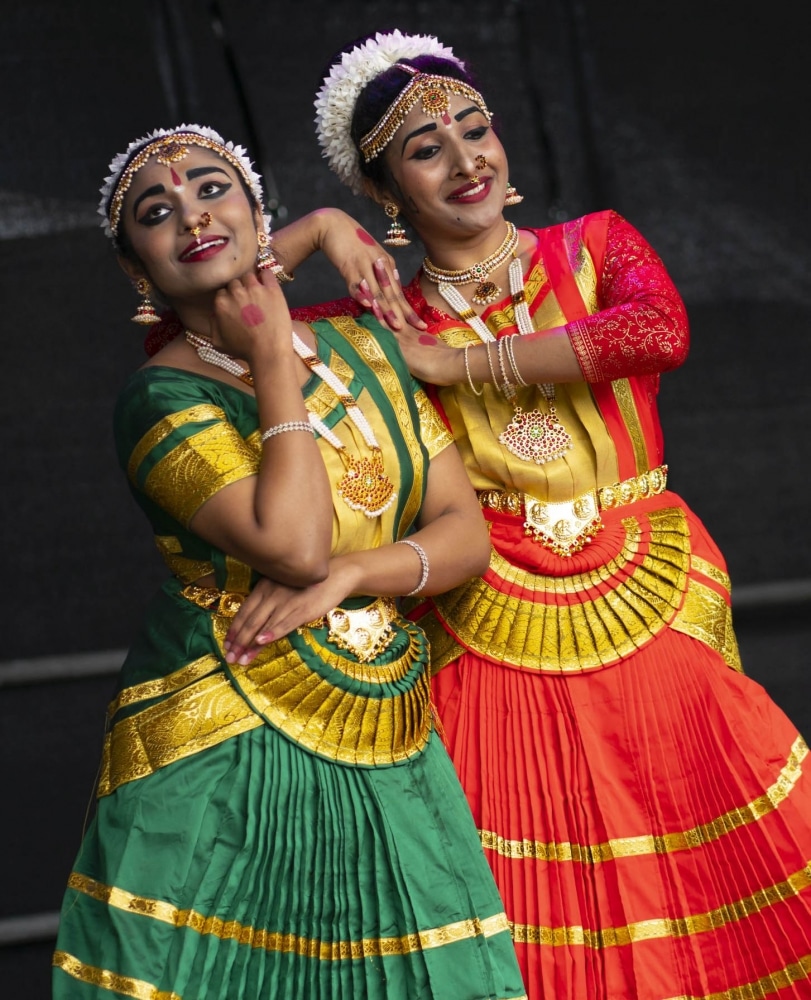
{"points": [[205, 222], [481, 161]]}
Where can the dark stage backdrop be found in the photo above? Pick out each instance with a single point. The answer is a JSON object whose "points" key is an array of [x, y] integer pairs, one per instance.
{"points": [[683, 117]]}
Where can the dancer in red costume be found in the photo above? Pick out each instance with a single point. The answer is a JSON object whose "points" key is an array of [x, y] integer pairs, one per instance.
{"points": [[645, 807]]}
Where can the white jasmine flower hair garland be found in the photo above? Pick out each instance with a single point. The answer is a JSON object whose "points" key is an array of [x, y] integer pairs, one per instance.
{"points": [[336, 100], [168, 143]]}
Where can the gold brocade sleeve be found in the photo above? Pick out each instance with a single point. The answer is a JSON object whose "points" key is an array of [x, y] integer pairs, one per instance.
{"points": [[188, 457], [435, 435]]}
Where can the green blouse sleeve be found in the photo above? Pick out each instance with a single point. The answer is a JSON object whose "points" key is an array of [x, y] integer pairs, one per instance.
{"points": [[176, 441]]}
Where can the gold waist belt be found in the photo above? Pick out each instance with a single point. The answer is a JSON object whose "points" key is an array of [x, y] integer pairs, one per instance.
{"points": [[568, 526], [366, 632]]}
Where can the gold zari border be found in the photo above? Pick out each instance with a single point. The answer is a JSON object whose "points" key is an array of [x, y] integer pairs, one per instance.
{"points": [[165, 426], [181, 678], [666, 927], [374, 355], [185, 569], [593, 632], [706, 616], [625, 400], [196, 718], [340, 725], [325, 951], [435, 435], [763, 987], [635, 847], [104, 979], [197, 468], [712, 572], [365, 673]]}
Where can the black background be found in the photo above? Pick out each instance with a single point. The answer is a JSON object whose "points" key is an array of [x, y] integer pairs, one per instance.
{"points": [[687, 118]]}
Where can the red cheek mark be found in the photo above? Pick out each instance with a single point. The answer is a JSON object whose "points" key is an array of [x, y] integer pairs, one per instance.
{"points": [[175, 179], [252, 315], [427, 340], [364, 237]]}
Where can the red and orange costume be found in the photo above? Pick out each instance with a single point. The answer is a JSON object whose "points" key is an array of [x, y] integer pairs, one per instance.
{"points": [[645, 807]]}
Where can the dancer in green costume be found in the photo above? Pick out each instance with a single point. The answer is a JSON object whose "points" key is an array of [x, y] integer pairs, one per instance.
{"points": [[289, 826]]}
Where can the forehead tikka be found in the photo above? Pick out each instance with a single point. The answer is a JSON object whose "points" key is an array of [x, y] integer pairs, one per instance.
{"points": [[166, 150], [433, 91]]}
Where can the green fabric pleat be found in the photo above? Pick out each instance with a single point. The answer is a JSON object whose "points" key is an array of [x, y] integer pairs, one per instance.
{"points": [[257, 832]]}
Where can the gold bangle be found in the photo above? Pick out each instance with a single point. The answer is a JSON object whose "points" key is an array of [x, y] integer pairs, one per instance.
{"points": [[509, 347], [476, 392], [490, 365], [508, 388]]}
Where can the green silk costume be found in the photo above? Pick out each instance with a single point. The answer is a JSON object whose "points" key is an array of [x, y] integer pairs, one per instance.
{"points": [[292, 828]]}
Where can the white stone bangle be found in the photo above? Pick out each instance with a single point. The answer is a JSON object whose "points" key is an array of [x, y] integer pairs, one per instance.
{"points": [[288, 425], [423, 561]]}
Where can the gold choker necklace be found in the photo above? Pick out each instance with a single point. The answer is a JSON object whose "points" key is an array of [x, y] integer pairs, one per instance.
{"points": [[486, 291]]}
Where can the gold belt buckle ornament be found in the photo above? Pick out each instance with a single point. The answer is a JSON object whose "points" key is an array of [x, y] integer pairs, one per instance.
{"points": [[565, 527], [365, 632]]}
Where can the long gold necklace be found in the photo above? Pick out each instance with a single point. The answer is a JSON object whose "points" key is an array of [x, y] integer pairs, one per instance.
{"points": [[486, 291], [364, 485], [534, 436]]}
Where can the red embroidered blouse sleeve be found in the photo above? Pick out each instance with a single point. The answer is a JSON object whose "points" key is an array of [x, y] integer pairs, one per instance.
{"points": [[641, 328]]}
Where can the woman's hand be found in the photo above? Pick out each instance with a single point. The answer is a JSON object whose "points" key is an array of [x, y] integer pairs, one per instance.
{"points": [[250, 311], [369, 272], [430, 359], [271, 610]]}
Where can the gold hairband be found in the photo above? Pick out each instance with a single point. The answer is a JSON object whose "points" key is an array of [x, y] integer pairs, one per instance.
{"points": [[169, 149], [434, 92]]}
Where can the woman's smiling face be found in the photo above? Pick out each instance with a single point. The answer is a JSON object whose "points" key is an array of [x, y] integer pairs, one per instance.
{"points": [[166, 202], [432, 166]]}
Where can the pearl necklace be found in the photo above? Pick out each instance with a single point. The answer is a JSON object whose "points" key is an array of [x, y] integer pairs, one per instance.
{"points": [[533, 437], [486, 291], [364, 485]]}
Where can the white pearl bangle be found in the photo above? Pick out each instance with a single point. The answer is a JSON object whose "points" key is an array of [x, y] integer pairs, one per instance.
{"points": [[423, 561], [288, 425]]}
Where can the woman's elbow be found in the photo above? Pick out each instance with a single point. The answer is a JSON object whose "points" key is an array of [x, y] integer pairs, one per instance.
{"points": [[297, 567]]}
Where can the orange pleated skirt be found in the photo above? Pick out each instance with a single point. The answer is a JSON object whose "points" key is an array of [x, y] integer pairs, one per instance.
{"points": [[648, 823]]}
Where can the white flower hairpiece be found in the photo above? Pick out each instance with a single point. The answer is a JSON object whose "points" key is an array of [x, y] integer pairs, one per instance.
{"points": [[122, 167], [336, 100]]}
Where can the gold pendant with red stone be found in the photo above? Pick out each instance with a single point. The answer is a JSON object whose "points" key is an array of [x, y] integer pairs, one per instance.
{"points": [[365, 486], [536, 437]]}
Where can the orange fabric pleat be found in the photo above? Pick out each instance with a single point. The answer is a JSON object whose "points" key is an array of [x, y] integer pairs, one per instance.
{"points": [[671, 741]]}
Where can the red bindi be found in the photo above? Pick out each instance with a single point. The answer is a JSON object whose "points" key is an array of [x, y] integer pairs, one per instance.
{"points": [[364, 237], [175, 179], [252, 315]]}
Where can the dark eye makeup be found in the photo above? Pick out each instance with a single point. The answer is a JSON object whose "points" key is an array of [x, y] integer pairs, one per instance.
{"points": [[155, 213]]}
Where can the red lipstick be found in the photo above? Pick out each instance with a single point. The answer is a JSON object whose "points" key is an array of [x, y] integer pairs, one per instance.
{"points": [[208, 247], [472, 193]]}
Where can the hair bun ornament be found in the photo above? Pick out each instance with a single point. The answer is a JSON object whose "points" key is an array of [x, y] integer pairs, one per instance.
{"points": [[339, 92]]}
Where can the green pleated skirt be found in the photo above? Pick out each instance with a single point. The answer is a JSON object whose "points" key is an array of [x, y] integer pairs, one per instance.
{"points": [[257, 869]]}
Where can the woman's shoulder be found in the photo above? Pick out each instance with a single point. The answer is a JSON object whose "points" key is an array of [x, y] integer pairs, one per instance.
{"points": [[154, 381], [582, 224], [161, 395]]}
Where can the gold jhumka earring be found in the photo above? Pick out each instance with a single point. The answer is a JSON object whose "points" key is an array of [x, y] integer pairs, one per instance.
{"points": [[512, 197], [396, 234], [145, 314]]}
